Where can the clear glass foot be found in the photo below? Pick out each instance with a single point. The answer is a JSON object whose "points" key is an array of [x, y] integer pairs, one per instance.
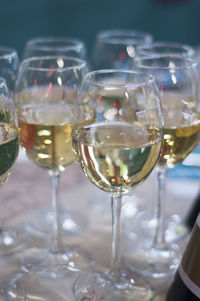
{"points": [[41, 284], [40, 223], [10, 241], [153, 262], [175, 230], [102, 287], [75, 259]]}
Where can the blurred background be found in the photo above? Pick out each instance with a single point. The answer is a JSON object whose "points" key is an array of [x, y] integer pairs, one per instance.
{"points": [[169, 20]]}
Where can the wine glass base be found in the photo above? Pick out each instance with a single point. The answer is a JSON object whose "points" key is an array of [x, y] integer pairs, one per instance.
{"points": [[40, 224], [11, 241], [75, 259], [101, 286], [153, 262], [175, 230], [41, 284]]}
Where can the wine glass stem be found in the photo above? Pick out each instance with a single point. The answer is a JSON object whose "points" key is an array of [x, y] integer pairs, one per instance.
{"points": [[160, 228], [116, 212], [56, 231]]}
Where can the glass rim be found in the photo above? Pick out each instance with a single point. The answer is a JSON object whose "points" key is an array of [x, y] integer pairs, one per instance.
{"points": [[76, 43], [131, 36], [187, 48], [188, 62], [150, 78], [80, 63], [9, 52]]}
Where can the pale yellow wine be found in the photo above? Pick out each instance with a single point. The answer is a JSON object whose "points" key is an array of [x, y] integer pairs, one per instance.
{"points": [[181, 129], [178, 143], [116, 156], [45, 133]]}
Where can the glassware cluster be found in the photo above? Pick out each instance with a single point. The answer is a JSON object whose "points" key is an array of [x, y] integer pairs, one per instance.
{"points": [[131, 109]]}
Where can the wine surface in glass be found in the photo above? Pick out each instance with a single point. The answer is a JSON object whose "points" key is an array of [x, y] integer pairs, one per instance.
{"points": [[116, 156], [9, 145], [181, 131], [45, 133]]}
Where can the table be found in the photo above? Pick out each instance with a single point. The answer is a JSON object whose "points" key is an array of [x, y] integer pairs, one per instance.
{"points": [[28, 189]]}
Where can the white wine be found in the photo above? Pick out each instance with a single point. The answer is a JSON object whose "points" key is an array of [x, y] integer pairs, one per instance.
{"points": [[178, 143], [45, 133], [186, 284], [9, 145], [181, 129], [116, 156]]}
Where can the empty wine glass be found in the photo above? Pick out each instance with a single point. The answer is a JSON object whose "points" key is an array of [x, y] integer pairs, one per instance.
{"points": [[45, 93], [9, 145], [177, 79], [40, 223], [116, 48], [47, 46], [117, 138]]}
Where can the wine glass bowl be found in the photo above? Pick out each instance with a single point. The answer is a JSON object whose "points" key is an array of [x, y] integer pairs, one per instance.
{"points": [[10, 240], [117, 134], [116, 49], [9, 133]]}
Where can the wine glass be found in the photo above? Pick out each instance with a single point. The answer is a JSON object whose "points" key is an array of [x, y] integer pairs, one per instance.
{"points": [[9, 145], [175, 228], [165, 48], [47, 46], [9, 64], [177, 79], [45, 92], [116, 48], [40, 223], [117, 138], [10, 239]]}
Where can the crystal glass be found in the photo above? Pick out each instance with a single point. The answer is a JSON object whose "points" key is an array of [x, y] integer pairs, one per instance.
{"points": [[177, 79], [176, 228], [117, 48], [40, 222], [117, 138], [9, 65], [9, 145], [165, 48], [47, 46], [45, 93]]}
